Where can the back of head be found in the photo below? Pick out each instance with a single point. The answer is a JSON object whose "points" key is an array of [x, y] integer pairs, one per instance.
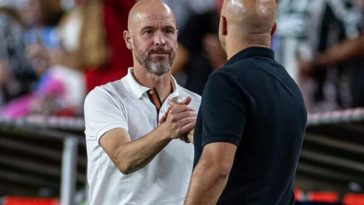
{"points": [[250, 17]]}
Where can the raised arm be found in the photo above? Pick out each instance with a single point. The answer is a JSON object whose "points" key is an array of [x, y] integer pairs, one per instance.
{"points": [[130, 155]]}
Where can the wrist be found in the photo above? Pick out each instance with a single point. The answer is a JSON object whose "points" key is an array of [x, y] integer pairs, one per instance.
{"points": [[164, 132]]}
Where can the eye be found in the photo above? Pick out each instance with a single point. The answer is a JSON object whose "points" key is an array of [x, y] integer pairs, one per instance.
{"points": [[147, 31], [170, 31]]}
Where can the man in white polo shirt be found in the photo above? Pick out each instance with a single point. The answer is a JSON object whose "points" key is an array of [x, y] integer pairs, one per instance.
{"points": [[133, 125]]}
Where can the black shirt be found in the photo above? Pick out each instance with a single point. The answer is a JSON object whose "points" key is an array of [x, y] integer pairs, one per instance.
{"points": [[253, 103]]}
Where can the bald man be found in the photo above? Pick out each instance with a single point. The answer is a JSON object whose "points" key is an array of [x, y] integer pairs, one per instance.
{"points": [[252, 119], [133, 125]]}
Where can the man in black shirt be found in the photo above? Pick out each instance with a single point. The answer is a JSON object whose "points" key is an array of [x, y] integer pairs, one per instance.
{"points": [[252, 118]]}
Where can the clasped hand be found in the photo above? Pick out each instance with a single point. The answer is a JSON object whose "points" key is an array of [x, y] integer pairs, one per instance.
{"points": [[179, 119]]}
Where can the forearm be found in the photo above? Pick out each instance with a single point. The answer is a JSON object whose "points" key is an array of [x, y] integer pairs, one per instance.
{"points": [[130, 155], [345, 51], [135, 154], [206, 185]]}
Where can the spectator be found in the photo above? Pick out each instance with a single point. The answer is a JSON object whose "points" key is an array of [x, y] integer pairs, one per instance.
{"points": [[199, 51], [103, 23], [16, 74], [57, 85], [185, 9], [306, 27], [350, 50]]}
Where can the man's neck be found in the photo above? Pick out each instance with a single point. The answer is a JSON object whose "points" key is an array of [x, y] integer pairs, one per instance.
{"points": [[161, 83], [233, 47]]}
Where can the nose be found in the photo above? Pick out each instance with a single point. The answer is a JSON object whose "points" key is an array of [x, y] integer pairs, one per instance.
{"points": [[159, 39]]}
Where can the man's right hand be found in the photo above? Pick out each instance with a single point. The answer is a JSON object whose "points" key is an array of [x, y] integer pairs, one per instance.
{"points": [[179, 119]]}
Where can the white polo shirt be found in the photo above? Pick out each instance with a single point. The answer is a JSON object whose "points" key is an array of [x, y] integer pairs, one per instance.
{"points": [[125, 104]]}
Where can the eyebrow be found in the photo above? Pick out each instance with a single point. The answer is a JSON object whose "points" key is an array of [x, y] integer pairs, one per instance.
{"points": [[169, 27], [154, 28], [147, 27]]}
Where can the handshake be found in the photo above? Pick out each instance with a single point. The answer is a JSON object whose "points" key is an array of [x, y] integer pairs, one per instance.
{"points": [[179, 120]]}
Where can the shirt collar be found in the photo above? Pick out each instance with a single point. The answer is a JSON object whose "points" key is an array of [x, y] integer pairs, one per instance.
{"points": [[139, 90], [176, 90], [250, 52]]}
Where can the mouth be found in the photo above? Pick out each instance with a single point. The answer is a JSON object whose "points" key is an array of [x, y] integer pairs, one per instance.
{"points": [[160, 51], [159, 55]]}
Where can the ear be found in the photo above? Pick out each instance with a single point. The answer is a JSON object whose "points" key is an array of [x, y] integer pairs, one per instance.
{"points": [[128, 39], [224, 30], [274, 28]]}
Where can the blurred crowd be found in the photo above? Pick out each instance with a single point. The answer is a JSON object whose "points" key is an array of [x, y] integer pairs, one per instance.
{"points": [[321, 44], [52, 52]]}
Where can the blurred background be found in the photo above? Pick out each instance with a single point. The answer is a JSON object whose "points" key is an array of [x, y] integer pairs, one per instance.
{"points": [[53, 52]]}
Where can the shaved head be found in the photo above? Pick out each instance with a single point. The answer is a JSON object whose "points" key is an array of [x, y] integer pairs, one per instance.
{"points": [[152, 36], [143, 8], [251, 16], [246, 23]]}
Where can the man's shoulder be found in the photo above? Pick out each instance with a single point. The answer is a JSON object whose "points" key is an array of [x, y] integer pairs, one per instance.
{"points": [[114, 88], [248, 68], [227, 72]]}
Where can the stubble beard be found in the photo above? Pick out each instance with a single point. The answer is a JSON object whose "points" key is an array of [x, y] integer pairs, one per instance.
{"points": [[157, 68]]}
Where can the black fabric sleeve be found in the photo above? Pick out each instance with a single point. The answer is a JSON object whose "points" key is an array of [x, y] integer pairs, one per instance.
{"points": [[223, 110]]}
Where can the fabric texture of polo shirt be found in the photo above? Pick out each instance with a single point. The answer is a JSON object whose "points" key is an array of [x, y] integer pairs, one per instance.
{"points": [[254, 104], [125, 104]]}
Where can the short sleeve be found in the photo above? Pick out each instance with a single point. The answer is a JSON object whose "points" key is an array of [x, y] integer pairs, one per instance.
{"points": [[223, 110], [102, 113]]}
